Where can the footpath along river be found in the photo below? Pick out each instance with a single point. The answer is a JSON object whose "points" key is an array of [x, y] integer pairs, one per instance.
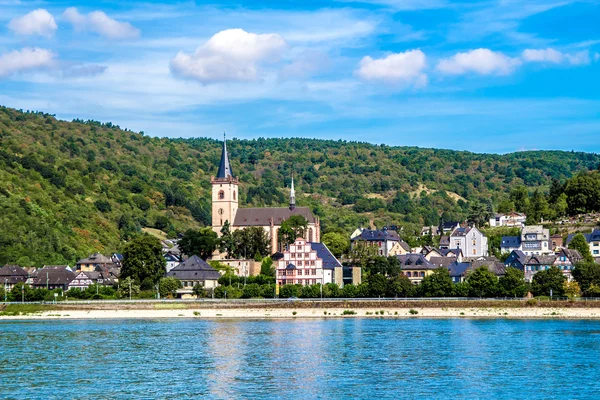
{"points": [[300, 359]]}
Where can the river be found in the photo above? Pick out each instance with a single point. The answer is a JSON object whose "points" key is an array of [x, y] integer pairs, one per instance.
{"points": [[300, 359]]}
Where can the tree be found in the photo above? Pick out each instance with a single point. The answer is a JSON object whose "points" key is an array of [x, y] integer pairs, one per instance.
{"points": [[143, 259], [168, 286], [547, 280], [572, 289], [266, 267], [520, 198], [349, 291], [199, 291], [461, 289], [251, 291], [538, 208], [201, 243], [400, 286], [128, 287], [337, 243], [512, 284], [587, 274], [482, 283], [377, 285], [250, 241], [479, 213], [290, 291], [438, 284], [580, 244], [291, 229], [226, 242], [393, 266], [362, 253]]}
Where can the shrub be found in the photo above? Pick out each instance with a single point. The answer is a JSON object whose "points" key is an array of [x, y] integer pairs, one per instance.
{"points": [[413, 312], [531, 303], [349, 312], [294, 313]]}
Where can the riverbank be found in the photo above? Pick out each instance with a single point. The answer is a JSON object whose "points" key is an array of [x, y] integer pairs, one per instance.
{"points": [[333, 309]]}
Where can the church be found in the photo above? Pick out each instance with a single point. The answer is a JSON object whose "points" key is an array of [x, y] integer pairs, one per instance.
{"points": [[225, 195]]}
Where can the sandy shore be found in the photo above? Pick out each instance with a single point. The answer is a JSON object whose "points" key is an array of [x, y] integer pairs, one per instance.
{"points": [[266, 313]]}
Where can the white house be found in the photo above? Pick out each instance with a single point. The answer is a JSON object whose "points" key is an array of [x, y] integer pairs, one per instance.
{"points": [[470, 241], [510, 219]]}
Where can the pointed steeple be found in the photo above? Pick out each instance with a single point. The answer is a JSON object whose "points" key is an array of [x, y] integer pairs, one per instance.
{"points": [[224, 167], [292, 195]]}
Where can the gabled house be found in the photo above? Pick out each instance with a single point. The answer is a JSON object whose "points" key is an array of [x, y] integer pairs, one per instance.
{"points": [[383, 239], [172, 260], [95, 260], [400, 248], [566, 260], [516, 259], [536, 263], [510, 219], [10, 275], [470, 240], [444, 242], [535, 240], [430, 251], [458, 271], [508, 244], [194, 271], [308, 263], [456, 253], [83, 279], [415, 267], [53, 277]]}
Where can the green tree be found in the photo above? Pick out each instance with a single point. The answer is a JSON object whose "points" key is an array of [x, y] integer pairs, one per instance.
{"points": [[400, 286], [226, 242], [538, 208], [331, 290], [549, 279], [580, 244], [512, 284], [520, 198], [479, 213], [143, 259], [201, 243], [337, 243], [251, 291], [587, 274], [482, 282], [349, 291], [128, 287], [266, 267], [291, 229], [250, 241], [199, 291], [290, 291], [362, 253], [438, 284], [572, 289], [168, 286], [377, 285], [461, 289]]}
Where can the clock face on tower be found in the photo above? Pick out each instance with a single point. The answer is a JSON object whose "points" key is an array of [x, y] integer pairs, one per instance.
{"points": [[221, 211]]}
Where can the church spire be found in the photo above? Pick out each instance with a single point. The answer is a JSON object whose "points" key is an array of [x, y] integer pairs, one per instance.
{"points": [[224, 167], [292, 195]]}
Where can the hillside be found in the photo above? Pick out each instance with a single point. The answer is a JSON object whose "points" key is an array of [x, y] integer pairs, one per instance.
{"points": [[70, 188]]}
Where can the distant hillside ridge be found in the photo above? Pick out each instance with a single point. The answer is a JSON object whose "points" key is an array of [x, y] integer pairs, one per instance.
{"points": [[70, 188]]}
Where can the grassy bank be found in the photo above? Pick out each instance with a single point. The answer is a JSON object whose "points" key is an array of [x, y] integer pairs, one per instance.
{"points": [[24, 309]]}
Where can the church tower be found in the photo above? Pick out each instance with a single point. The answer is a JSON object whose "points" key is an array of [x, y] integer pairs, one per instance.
{"points": [[292, 196], [224, 193]]}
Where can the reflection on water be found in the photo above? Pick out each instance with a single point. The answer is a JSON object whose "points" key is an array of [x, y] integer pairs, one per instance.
{"points": [[299, 359]]}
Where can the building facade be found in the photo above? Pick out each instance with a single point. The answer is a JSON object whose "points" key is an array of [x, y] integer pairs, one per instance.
{"points": [[308, 263], [513, 219], [470, 241], [383, 239]]}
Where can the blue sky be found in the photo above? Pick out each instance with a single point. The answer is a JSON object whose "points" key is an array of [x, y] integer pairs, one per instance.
{"points": [[490, 76]]}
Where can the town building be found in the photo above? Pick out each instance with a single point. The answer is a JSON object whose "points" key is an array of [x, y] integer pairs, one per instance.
{"points": [[383, 239], [556, 242], [95, 260], [225, 208], [10, 275], [535, 240], [243, 266], [512, 219], [592, 239], [470, 241], [508, 244], [53, 277], [172, 260], [416, 267], [84, 279], [309, 263], [194, 271], [399, 248]]}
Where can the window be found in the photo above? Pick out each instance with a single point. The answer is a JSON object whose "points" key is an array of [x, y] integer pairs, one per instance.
{"points": [[234, 194], [299, 272], [474, 251], [474, 242], [221, 195], [596, 251]]}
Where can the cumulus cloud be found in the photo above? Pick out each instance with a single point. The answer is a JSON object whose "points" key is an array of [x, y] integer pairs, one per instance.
{"points": [[404, 67], [100, 23], [27, 59], [479, 61], [230, 55], [38, 22], [556, 57]]}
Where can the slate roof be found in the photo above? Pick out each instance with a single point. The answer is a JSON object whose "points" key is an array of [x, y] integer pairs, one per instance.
{"points": [[442, 261], [194, 269], [372, 235], [291, 266], [589, 237], [12, 274], [516, 255], [225, 170], [414, 261], [451, 252], [96, 258], [54, 275], [464, 232], [329, 260], [458, 269], [263, 216], [510, 241], [447, 226], [404, 245], [572, 255], [541, 260], [497, 267], [445, 240]]}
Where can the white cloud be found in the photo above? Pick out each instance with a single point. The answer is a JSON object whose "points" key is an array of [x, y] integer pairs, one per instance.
{"points": [[230, 55], [38, 22], [480, 61], [404, 67], [553, 56], [100, 23], [26, 59]]}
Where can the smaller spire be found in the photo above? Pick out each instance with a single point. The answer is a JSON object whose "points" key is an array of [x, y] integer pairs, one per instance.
{"points": [[292, 195], [224, 166]]}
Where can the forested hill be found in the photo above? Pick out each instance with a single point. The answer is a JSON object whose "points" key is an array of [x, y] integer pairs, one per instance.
{"points": [[70, 188]]}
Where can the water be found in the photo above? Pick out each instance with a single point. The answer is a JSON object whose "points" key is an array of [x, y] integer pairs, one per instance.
{"points": [[300, 359]]}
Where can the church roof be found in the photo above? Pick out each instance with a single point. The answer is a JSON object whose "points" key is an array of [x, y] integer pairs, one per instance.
{"points": [[262, 216], [225, 166]]}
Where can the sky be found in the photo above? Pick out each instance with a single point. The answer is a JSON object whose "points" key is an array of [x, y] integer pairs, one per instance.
{"points": [[485, 76]]}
